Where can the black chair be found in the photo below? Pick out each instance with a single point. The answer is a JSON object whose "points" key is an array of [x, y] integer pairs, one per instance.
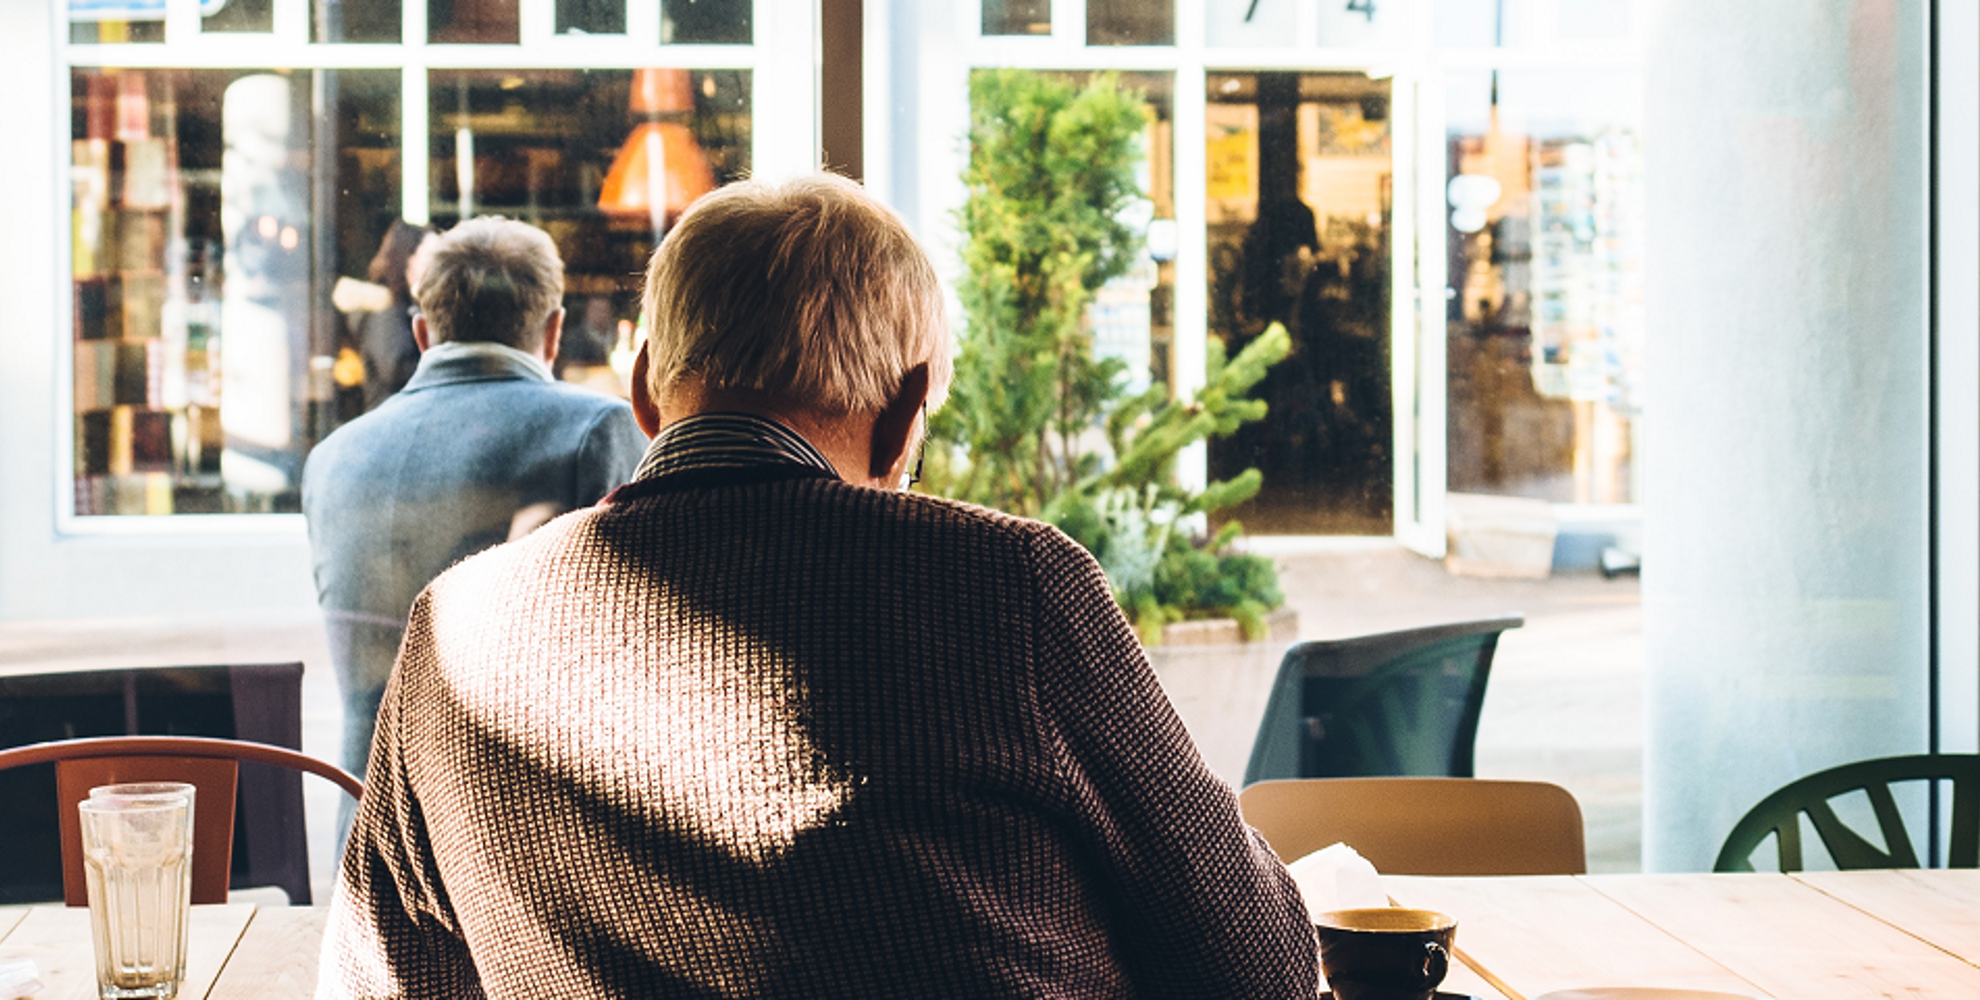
{"points": [[258, 703], [1779, 815], [1390, 705]]}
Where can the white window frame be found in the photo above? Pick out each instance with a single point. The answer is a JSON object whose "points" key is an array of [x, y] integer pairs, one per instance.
{"points": [[1956, 369]]}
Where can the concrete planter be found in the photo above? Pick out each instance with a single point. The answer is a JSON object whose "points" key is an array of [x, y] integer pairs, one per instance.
{"points": [[1220, 687]]}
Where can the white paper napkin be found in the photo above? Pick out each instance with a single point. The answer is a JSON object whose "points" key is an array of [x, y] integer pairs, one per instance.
{"points": [[19, 979], [1336, 877]]}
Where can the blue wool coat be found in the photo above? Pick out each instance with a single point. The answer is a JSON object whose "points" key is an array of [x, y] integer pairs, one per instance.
{"points": [[479, 445]]}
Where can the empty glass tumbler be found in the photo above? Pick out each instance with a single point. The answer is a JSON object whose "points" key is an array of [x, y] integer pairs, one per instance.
{"points": [[137, 860]]}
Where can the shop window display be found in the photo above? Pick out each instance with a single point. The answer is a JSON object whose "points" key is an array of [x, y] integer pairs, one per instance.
{"points": [[579, 154], [221, 232], [197, 330], [1545, 324], [1299, 203]]}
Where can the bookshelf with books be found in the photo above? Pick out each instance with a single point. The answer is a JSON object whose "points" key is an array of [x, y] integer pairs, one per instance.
{"points": [[133, 417]]}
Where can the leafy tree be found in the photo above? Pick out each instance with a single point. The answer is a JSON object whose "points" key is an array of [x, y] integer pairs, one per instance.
{"points": [[1035, 424]]}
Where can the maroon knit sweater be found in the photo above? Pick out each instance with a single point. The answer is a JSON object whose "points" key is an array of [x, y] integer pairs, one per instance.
{"points": [[795, 738]]}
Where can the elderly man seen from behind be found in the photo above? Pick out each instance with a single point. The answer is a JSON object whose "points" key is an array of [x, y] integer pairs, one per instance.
{"points": [[765, 725], [482, 444]]}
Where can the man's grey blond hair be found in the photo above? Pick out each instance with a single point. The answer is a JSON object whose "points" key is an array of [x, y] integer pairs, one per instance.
{"points": [[492, 279], [809, 291]]}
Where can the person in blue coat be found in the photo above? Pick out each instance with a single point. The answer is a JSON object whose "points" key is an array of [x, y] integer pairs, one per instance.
{"points": [[481, 446]]}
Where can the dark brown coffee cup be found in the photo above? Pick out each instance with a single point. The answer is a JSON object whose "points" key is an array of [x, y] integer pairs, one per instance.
{"points": [[1384, 954]]}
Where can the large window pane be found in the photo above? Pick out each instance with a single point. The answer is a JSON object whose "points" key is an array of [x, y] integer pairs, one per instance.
{"points": [[1298, 202], [705, 22], [1545, 229], [574, 152], [355, 20], [239, 15], [1531, 23], [591, 17], [1017, 17], [202, 226], [114, 22], [1265, 23], [490, 22], [1130, 22]]}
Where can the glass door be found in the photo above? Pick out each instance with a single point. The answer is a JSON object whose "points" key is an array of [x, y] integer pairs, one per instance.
{"points": [[1300, 201]]}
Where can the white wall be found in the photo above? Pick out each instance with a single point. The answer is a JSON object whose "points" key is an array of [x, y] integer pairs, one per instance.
{"points": [[43, 573], [1786, 521]]}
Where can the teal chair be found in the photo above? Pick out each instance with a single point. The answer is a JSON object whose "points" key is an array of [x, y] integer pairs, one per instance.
{"points": [[1391, 705], [1779, 815]]}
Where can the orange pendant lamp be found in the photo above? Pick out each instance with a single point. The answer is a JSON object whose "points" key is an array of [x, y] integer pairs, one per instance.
{"points": [[661, 169]]}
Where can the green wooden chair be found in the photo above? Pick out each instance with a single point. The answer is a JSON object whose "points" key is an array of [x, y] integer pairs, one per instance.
{"points": [[1390, 705], [1779, 815]]}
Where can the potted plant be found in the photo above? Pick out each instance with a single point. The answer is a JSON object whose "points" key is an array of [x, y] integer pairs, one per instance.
{"points": [[1036, 424]]}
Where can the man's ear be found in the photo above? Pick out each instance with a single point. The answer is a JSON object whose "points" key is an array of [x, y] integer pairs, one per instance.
{"points": [[646, 409], [893, 429], [553, 334], [422, 334]]}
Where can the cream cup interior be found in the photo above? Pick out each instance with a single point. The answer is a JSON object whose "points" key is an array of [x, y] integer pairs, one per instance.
{"points": [[1387, 918]]}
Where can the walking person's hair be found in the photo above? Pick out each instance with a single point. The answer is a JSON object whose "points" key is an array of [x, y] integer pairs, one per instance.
{"points": [[492, 279]]}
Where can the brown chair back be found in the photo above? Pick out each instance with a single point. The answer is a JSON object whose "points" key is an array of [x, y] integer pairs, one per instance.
{"points": [[213, 778], [210, 765], [1424, 826]]}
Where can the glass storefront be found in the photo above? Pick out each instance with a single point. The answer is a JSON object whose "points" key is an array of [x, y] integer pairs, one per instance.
{"points": [[1299, 196], [233, 228], [1545, 238]]}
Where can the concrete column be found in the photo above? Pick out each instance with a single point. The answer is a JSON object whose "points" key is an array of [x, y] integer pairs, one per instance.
{"points": [[1784, 585]]}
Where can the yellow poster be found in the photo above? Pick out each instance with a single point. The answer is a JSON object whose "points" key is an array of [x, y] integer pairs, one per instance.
{"points": [[1232, 162]]}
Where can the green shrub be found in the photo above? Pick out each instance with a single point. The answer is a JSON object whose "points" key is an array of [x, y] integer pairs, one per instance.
{"points": [[1051, 171]]}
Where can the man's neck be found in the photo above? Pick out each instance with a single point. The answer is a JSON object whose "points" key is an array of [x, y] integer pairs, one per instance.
{"points": [[845, 441]]}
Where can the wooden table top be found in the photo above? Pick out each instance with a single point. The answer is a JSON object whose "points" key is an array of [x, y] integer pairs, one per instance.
{"points": [[1829, 935], [234, 952]]}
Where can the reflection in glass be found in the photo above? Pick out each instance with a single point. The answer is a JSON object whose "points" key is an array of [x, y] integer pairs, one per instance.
{"points": [[489, 22], [355, 20], [208, 212], [1017, 17], [705, 22], [591, 17], [1130, 22], [239, 15], [578, 154], [1298, 199], [1546, 266]]}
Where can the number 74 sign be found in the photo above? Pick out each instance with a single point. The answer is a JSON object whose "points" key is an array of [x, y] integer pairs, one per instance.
{"points": [[1362, 7]]}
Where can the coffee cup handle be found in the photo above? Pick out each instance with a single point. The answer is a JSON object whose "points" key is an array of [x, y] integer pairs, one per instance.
{"points": [[1436, 962]]}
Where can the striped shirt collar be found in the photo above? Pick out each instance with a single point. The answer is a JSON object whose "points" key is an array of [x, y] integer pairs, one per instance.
{"points": [[727, 441]]}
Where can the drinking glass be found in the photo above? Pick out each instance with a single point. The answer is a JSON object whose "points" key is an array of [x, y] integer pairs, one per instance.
{"points": [[137, 860]]}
